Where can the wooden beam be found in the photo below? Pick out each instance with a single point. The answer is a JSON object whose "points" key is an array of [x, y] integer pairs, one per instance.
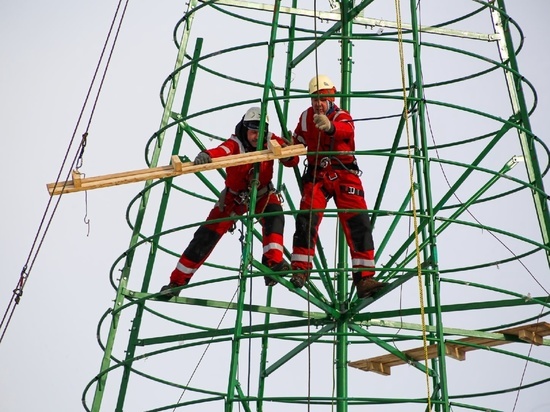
{"points": [[177, 167], [77, 178], [533, 333], [383, 364], [274, 146]]}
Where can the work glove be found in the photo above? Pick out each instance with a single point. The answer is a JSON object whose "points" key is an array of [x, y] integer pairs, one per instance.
{"points": [[202, 158], [323, 123]]}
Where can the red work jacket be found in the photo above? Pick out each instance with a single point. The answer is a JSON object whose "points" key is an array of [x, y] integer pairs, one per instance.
{"points": [[342, 140], [239, 177]]}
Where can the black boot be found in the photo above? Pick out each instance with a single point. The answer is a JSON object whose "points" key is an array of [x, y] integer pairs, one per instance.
{"points": [[167, 292], [277, 267], [368, 286], [299, 279]]}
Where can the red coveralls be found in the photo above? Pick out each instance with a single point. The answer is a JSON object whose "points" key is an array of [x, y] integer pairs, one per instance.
{"points": [[337, 177], [234, 201]]}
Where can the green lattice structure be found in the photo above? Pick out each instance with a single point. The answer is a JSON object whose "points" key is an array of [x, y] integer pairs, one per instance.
{"points": [[455, 192]]}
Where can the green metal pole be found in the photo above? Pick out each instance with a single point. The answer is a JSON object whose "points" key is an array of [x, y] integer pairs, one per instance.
{"points": [[99, 392], [136, 323], [252, 206], [526, 137], [342, 343], [431, 278]]}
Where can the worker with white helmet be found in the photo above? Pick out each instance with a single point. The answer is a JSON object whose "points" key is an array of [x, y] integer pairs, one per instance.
{"points": [[234, 201], [324, 127]]}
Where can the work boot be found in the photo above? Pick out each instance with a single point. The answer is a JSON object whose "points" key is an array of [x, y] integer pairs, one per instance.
{"points": [[367, 286], [167, 292], [299, 279], [277, 267]]}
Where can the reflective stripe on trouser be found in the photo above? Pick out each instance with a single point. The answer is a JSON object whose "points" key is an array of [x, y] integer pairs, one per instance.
{"points": [[356, 226], [272, 229], [207, 236]]}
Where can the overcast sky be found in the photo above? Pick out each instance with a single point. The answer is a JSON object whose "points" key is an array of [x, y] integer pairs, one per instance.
{"points": [[49, 52]]}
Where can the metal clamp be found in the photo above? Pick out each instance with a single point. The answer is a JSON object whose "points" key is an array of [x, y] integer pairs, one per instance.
{"points": [[325, 162], [241, 198]]}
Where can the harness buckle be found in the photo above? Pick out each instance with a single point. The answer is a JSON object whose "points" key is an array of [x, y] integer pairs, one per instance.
{"points": [[241, 198]]}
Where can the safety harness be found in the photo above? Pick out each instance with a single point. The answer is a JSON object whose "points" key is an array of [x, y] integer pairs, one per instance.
{"points": [[243, 196]]}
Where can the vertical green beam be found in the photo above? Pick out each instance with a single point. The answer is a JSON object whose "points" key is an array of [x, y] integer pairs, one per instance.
{"points": [[286, 92], [136, 323], [284, 117], [269, 69], [250, 221], [236, 343], [393, 150], [424, 249], [233, 383], [341, 360], [123, 283], [526, 137], [433, 277]]}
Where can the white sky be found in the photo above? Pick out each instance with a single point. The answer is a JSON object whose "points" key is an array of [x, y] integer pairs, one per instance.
{"points": [[48, 53]]}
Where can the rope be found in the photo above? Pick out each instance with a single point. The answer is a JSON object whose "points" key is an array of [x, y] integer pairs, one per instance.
{"points": [[390, 116], [51, 206], [413, 198], [310, 220], [205, 350]]}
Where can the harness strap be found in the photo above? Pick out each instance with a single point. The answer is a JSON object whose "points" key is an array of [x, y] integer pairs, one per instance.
{"points": [[336, 165], [243, 195], [352, 190]]}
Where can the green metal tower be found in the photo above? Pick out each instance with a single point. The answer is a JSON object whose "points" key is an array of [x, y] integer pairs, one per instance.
{"points": [[454, 186]]}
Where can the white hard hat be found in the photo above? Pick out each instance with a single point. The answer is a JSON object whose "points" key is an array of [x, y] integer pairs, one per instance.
{"points": [[320, 82], [252, 118]]}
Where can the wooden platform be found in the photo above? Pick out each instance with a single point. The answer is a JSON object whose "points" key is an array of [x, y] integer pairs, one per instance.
{"points": [[533, 333], [177, 167]]}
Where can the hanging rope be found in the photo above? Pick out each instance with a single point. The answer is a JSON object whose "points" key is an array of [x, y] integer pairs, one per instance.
{"points": [[310, 218], [51, 207], [413, 197]]}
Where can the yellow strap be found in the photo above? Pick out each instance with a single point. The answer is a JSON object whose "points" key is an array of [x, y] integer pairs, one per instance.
{"points": [[413, 198]]}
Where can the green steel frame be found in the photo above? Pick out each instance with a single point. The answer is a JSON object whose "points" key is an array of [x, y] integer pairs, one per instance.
{"points": [[416, 216]]}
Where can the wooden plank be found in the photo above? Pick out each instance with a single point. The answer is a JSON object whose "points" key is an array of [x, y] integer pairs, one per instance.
{"points": [[176, 168], [372, 366], [383, 364], [77, 178], [177, 163], [533, 333], [541, 328], [455, 351], [274, 146]]}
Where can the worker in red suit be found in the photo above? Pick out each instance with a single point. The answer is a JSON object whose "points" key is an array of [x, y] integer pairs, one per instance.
{"points": [[234, 201], [324, 127]]}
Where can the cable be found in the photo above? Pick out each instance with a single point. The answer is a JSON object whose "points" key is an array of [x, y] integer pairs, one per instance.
{"points": [[76, 163]]}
